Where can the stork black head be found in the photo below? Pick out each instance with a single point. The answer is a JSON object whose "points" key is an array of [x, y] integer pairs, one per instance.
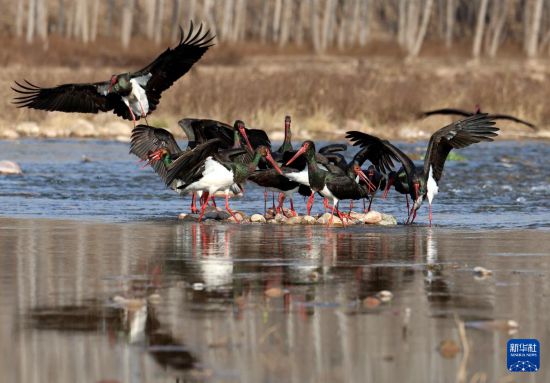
{"points": [[239, 126]]}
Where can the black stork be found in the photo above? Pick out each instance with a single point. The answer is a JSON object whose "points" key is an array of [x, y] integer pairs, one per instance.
{"points": [[201, 130], [336, 185], [217, 172], [422, 183], [464, 113], [129, 95]]}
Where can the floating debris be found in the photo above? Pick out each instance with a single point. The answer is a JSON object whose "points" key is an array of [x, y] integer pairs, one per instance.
{"points": [[482, 272], [385, 296], [10, 167], [448, 348], [509, 325], [371, 302]]}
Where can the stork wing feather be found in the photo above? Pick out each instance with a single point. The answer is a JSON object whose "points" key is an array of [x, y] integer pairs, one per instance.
{"points": [[445, 111], [460, 134], [186, 166], [83, 98], [174, 63], [514, 119]]}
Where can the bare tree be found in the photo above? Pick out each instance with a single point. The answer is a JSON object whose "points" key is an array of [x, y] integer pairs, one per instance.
{"points": [[423, 28], [19, 13], [285, 22], [159, 21], [499, 26], [175, 19], [95, 15], [127, 21], [534, 30], [31, 18], [480, 27], [42, 21], [450, 23]]}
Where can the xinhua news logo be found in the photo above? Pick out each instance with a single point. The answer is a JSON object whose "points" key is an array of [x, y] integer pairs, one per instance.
{"points": [[523, 355]]}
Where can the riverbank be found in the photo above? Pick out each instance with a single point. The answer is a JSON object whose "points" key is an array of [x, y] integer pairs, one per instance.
{"points": [[326, 96]]}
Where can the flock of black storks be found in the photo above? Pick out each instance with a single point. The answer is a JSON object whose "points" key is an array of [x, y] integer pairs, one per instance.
{"points": [[219, 158]]}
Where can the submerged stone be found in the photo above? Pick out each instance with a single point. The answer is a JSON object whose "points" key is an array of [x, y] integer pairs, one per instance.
{"points": [[257, 218], [10, 167]]}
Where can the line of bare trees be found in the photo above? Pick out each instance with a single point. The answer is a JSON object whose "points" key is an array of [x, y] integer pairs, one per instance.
{"points": [[319, 24]]}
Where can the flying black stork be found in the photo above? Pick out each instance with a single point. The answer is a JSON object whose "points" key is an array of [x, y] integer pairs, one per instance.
{"points": [[422, 183], [129, 95], [335, 185], [464, 113]]}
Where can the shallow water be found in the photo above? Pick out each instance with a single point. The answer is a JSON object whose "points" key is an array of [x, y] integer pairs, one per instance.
{"points": [[501, 185], [100, 282]]}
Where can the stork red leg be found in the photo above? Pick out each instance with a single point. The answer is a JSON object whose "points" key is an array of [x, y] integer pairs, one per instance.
{"points": [[281, 202], [340, 215], [213, 202], [133, 116], [364, 208], [310, 202], [229, 210], [370, 203], [143, 112], [325, 204], [265, 201], [350, 206], [292, 208], [430, 214], [194, 209], [203, 207]]}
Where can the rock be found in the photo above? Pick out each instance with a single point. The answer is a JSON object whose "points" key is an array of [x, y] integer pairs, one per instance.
{"points": [[269, 214], [85, 158], [10, 167], [83, 128], [280, 218], [372, 217], [294, 220], [325, 219], [385, 296], [257, 218], [28, 129], [9, 134], [388, 220], [308, 220], [182, 216]]}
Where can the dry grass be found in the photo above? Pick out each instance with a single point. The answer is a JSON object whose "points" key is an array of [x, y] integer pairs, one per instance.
{"points": [[326, 95]]}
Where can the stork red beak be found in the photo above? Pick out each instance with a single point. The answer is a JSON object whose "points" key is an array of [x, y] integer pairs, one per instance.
{"points": [[362, 175], [113, 82], [273, 163], [388, 186], [300, 151], [245, 136]]}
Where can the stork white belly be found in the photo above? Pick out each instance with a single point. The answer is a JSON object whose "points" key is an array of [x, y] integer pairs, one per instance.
{"points": [[328, 194], [302, 177], [137, 99], [432, 187], [214, 177]]}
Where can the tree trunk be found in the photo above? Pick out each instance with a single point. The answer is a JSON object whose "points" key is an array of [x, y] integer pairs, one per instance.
{"points": [[127, 23], [302, 21], [328, 17], [412, 23], [480, 27], [497, 32], [264, 27], [450, 23], [402, 23], [42, 22], [423, 28], [239, 27], [364, 25], [227, 21], [315, 27], [343, 25], [95, 15], [159, 22], [285, 22], [175, 19], [31, 18], [19, 14], [277, 19], [110, 11], [354, 25], [533, 38]]}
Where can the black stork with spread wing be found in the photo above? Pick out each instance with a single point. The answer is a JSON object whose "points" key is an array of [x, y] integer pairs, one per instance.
{"points": [[422, 183], [129, 95], [464, 113]]}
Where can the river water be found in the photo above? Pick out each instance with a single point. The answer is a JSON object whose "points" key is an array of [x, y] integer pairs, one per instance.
{"points": [[101, 283]]}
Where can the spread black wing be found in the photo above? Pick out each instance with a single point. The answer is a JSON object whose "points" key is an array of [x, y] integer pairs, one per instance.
{"points": [[512, 118], [187, 167], [445, 111], [82, 98], [174, 63], [459, 134], [147, 139]]}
